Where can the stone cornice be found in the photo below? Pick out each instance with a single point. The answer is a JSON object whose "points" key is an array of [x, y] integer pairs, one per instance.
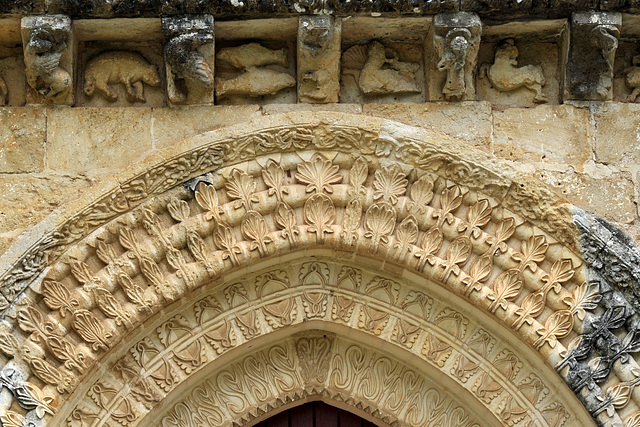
{"points": [[490, 9]]}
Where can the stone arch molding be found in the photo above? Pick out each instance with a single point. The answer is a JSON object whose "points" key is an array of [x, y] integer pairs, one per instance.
{"points": [[95, 331]]}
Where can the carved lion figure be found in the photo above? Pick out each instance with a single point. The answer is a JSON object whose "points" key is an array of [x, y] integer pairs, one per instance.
{"points": [[505, 75], [120, 67]]}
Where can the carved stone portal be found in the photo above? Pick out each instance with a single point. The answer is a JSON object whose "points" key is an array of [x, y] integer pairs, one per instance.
{"points": [[189, 58], [48, 56], [456, 39], [256, 79], [505, 75]]}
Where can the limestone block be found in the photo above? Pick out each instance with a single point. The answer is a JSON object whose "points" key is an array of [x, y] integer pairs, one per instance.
{"points": [[189, 58], [617, 137], [453, 53], [22, 139], [469, 121], [172, 125], [611, 197], [82, 139], [26, 199], [547, 133], [287, 108], [318, 59], [589, 70], [48, 55]]}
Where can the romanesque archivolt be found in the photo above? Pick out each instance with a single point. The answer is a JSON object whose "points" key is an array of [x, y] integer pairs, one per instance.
{"points": [[435, 228]]}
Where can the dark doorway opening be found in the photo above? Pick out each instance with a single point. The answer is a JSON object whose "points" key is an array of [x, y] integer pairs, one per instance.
{"points": [[315, 414]]}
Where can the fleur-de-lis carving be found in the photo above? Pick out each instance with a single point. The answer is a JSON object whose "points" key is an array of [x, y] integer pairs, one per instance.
{"points": [[57, 297], [351, 221], [389, 183], [357, 177], [179, 209], [534, 303], [241, 186], [584, 297], [287, 221], [224, 239], [506, 287], [503, 232], [255, 227], [478, 216], [420, 194], [455, 256], [450, 200], [207, 198], [406, 235], [273, 176], [319, 174], [557, 326], [31, 320], [533, 252], [319, 214], [196, 246], [379, 221], [429, 246], [479, 273]]}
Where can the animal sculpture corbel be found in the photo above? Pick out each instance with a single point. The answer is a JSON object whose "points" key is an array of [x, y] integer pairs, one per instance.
{"points": [[605, 38], [119, 67], [187, 64], [42, 61], [453, 58], [505, 75]]}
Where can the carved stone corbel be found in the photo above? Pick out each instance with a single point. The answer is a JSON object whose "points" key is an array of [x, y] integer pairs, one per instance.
{"points": [[48, 56], [456, 40], [589, 70], [189, 57], [318, 59]]}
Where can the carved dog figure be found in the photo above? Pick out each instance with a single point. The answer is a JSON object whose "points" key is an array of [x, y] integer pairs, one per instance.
{"points": [[128, 68], [42, 61], [632, 77], [505, 76]]}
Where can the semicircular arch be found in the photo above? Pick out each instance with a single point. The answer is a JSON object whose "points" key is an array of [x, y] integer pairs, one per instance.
{"points": [[413, 203]]}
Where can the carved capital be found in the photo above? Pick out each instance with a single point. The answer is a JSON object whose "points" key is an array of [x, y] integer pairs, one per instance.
{"points": [[48, 56], [454, 42], [189, 52], [318, 59], [594, 40]]}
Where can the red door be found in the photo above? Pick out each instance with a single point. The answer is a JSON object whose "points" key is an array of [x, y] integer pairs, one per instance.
{"points": [[315, 414]]}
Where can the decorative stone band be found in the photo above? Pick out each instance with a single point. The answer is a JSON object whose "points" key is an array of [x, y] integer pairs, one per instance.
{"points": [[403, 202], [222, 8]]}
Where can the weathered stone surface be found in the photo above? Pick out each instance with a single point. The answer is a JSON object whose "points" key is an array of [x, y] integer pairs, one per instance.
{"points": [[547, 133], [170, 126], [453, 55], [589, 192], [189, 54], [27, 199], [318, 59], [22, 139], [532, 79], [286, 108], [81, 139], [617, 137], [594, 40], [48, 45], [469, 121]]}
